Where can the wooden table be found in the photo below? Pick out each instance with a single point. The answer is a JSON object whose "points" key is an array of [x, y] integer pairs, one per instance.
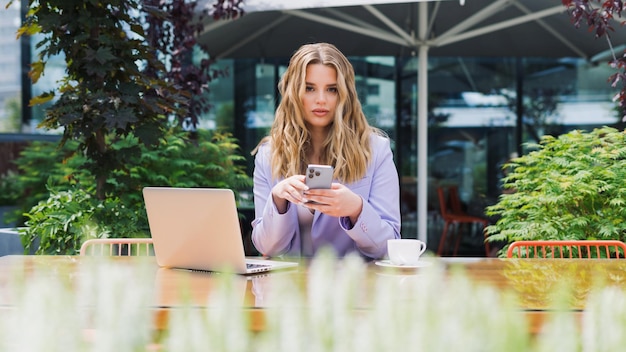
{"points": [[533, 280]]}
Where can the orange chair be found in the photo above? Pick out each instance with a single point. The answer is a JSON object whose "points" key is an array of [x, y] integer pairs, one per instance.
{"points": [[455, 217], [567, 249], [117, 246]]}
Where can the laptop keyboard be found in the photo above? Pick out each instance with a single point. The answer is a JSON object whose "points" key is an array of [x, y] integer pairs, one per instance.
{"points": [[256, 266]]}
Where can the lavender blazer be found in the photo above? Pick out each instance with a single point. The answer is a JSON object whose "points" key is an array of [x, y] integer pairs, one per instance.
{"points": [[275, 234]]}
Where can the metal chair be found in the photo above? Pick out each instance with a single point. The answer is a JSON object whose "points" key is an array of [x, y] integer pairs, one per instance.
{"points": [[455, 217], [567, 249], [118, 247]]}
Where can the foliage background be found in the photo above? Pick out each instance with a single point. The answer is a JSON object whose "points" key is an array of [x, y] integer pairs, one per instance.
{"points": [[129, 84]]}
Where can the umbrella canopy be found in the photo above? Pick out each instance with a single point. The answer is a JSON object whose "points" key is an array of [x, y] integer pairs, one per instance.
{"points": [[473, 28], [529, 28]]}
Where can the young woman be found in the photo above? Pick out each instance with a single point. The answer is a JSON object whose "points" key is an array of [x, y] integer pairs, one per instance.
{"points": [[320, 121]]}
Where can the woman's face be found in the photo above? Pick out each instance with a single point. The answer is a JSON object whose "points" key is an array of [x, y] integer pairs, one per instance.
{"points": [[320, 96]]}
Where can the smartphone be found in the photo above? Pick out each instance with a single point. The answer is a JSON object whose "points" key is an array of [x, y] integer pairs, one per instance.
{"points": [[319, 176]]}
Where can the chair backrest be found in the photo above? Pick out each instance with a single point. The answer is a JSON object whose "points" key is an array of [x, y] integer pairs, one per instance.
{"points": [[449, 201], [443, 204], [567, 249], [118, 247], [455, 200]]}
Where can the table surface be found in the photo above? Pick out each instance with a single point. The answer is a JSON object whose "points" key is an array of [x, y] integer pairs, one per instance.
{"points": [[532, 279]]}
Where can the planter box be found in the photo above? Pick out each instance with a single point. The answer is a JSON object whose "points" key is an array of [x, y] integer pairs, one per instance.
{"points": [[10, 242], [5, 209]]}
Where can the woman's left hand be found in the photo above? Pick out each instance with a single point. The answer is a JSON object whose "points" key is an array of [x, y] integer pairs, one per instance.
{"points": [[337, 201]]}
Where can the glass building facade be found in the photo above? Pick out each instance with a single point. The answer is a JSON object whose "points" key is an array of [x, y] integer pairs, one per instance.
{"points": [[473, 124]]}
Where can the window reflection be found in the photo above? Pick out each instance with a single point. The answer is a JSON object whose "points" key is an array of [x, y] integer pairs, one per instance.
{"points": [[10, 80]]}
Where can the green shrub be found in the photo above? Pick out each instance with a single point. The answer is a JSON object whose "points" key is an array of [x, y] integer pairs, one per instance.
{"points": [[9, 194], [570, 187], [62, 205], [44, 166], [58, 223]]}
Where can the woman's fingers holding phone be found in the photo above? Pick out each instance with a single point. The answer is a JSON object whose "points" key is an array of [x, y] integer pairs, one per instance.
{"points": [[290, 189], [318, 195], [337, 201]]}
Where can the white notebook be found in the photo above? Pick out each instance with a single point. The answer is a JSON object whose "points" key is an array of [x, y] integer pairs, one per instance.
{"points": [[198, 229]]}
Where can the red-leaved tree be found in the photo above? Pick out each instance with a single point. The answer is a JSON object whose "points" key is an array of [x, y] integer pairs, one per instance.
{"points": [[173, 27], [599, 17]]}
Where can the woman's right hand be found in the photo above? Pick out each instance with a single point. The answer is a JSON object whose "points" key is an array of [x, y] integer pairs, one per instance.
{"points": [[288, 190]]}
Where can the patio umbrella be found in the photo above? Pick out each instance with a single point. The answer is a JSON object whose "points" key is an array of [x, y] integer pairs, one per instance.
{"points": [[275, 28], [500, 28]]}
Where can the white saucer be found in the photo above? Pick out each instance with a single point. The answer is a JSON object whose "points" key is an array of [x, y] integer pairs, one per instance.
{"points": [[387, 263]]}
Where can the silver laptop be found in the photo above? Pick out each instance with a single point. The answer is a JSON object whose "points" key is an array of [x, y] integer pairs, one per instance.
{"points": [[198, 229]]}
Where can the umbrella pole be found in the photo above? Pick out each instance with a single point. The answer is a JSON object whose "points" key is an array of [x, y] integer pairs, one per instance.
{"points": [[422, 126]]}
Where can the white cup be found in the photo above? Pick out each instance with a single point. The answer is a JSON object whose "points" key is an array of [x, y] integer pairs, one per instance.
{"points": [[405, 251]]}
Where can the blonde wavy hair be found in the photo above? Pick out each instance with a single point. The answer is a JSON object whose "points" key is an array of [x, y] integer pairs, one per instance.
{"points": [[347, 146]]}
